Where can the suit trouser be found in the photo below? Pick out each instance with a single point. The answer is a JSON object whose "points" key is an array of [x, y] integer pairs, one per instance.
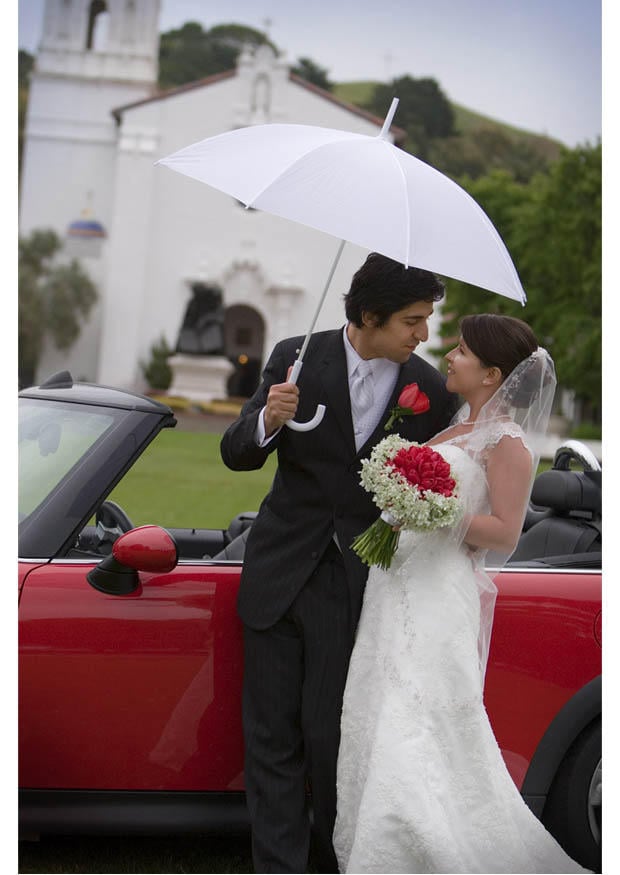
{"points": [[294, 679]]}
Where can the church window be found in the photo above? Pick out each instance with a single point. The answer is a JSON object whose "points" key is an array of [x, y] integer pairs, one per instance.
{"points": [[97, 22], [261, 97]]}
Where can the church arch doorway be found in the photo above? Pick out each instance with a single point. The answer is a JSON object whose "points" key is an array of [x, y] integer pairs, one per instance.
{"points": [[244, 339]]}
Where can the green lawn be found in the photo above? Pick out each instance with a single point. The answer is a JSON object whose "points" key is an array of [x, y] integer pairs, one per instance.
{"points": [[180, 481]]}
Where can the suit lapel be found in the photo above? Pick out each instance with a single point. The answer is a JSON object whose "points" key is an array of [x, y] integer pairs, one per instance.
{"points": [[332, 371]]}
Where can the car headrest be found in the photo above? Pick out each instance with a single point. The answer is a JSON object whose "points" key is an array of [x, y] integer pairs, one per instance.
{"points": [[239, 524], [564, 491]]}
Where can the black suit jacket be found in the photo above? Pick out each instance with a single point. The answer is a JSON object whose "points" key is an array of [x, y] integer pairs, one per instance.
{"points": [[316, 488]]}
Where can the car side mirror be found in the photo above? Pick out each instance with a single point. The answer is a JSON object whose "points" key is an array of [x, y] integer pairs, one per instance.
{"points": [[146, 548]]}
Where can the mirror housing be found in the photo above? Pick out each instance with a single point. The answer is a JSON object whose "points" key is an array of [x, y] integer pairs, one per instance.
{"points": [[146, 548]]}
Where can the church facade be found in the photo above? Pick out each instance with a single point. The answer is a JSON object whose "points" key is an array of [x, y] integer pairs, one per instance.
{"points": [[96, 126]]}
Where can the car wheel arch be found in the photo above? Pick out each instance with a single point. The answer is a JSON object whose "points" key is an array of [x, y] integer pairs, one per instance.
{"points": [[573, 718]]}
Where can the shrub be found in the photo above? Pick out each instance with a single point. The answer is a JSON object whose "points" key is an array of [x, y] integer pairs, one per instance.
{"points": [[157, 372], [587, 431]]}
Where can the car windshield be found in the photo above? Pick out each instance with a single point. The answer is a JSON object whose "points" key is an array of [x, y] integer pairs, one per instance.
{"points": [[53, 437]]}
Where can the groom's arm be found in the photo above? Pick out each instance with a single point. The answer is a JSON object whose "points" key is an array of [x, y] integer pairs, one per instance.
{"points": [[247, 443]]}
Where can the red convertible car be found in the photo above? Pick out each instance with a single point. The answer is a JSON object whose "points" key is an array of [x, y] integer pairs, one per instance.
{"points": [[130, 649]]}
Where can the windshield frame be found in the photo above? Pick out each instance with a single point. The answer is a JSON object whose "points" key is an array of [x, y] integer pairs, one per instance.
{"points": [[51, 528]]}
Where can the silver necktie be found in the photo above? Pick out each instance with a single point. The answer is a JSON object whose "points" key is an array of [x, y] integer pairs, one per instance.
{"points": [[362, 395]]}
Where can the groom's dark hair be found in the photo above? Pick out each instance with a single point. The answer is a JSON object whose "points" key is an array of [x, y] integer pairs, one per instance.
{"points": [[383, 286]]}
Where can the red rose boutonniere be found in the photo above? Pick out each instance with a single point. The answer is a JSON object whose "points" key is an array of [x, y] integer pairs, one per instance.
{"points": [[411, 401]]}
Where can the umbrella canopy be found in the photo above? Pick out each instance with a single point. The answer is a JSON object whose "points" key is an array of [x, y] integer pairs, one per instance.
{"points": [[359, 188], [362, 189]]}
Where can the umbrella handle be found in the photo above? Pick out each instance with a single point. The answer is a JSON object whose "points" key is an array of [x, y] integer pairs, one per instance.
{"points": [[320, 410], [312, 423]]}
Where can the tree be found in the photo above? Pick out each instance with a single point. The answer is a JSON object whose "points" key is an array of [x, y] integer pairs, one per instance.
{"points": [[501, 198], [552, 228], [559, 240], [53, 299], [483, 149], [190, 53], [307, 69], [424, 111]]}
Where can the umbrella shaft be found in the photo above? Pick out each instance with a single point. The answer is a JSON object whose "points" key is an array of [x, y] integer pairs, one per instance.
{"points": [[318, 309]]}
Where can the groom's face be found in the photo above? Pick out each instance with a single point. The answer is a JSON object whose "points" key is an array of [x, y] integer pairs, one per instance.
{"points": [[400, 335]]}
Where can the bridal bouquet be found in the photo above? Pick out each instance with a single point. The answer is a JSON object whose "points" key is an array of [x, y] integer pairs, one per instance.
{"points": [[414, 487]]}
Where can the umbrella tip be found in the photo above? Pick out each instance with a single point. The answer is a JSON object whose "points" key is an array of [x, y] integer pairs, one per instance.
{"points": [[388, 119]]}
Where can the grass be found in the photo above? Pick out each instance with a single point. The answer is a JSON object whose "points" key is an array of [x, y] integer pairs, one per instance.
{"points": [[180, 481], [357, 93]]}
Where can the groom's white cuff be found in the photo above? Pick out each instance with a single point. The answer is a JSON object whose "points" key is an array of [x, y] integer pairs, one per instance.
{"points": [[259, 433]]}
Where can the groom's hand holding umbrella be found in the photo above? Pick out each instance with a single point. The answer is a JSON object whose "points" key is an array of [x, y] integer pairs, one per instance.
{"points": [[282, 402]]}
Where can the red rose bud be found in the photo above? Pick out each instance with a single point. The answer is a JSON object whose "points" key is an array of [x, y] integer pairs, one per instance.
{"points": [[422, 403], [408, 396], [413, 399], [410, 401]]}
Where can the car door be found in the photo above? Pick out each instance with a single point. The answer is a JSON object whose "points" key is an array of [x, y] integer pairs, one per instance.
{"points": [[136, 692]]}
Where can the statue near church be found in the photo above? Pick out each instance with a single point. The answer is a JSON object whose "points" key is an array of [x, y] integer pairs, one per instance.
{"points": [[202, 330]]}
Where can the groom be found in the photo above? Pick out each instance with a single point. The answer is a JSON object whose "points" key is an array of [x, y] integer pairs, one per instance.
{"points": [[302, 586]]}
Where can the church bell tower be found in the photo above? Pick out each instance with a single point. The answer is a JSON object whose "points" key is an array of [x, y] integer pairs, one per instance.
{"points": [[101, 39], [94, 55]]}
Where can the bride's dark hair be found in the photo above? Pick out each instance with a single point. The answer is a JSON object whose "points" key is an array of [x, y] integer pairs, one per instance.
{"points": [[498, 341]]}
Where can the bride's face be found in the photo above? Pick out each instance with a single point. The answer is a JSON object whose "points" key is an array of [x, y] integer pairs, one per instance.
{"points": [[466, 373]]}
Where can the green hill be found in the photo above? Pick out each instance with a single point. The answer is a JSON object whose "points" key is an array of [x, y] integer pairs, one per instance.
{"points": [[466, 120]]}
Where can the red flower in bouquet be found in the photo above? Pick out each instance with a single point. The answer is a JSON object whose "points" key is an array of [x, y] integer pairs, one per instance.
{"points": [[424, 468], [414, 488], [411, 402]]}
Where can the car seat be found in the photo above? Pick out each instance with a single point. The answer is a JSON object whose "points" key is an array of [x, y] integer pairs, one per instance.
{"points": [[235, 537], [568, 516]]}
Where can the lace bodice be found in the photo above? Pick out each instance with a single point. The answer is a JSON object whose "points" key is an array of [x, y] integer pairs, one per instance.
{"points": [[473, 494], [479, 442]]}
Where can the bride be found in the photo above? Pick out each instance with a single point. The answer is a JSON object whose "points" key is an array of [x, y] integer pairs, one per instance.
{"points": [[422, 785]]}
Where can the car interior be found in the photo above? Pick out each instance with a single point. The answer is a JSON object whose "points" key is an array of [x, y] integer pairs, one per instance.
{"points": [[562, 527]]}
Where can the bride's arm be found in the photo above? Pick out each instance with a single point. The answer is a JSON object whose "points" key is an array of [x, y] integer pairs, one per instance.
{"points": [[509, 472]]}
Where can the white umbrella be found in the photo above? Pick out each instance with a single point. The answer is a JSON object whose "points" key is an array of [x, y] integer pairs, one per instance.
{"points": [[361, 189]]}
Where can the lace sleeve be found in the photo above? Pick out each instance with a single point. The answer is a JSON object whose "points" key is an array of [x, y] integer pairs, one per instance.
{"points": [[482, 441]]}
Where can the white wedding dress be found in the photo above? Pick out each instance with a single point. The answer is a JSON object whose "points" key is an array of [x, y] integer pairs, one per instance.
{"points": [[422, 785]]}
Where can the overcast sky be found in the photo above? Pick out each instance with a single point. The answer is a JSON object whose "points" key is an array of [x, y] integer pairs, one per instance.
{"points": [[535, 64]]}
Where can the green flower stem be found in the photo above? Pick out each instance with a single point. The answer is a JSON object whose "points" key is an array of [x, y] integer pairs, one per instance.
{"points": [[397, 413], [377, 545]]}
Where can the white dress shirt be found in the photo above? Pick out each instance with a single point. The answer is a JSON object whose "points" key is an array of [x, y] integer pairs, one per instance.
{"points": [[384, 374]]}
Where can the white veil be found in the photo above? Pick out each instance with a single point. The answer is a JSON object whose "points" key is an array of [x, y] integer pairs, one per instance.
{"points": [[520, 408], [525, 398]]}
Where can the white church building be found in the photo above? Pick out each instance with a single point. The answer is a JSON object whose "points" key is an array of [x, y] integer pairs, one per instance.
{"points": [[95, 127]]}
